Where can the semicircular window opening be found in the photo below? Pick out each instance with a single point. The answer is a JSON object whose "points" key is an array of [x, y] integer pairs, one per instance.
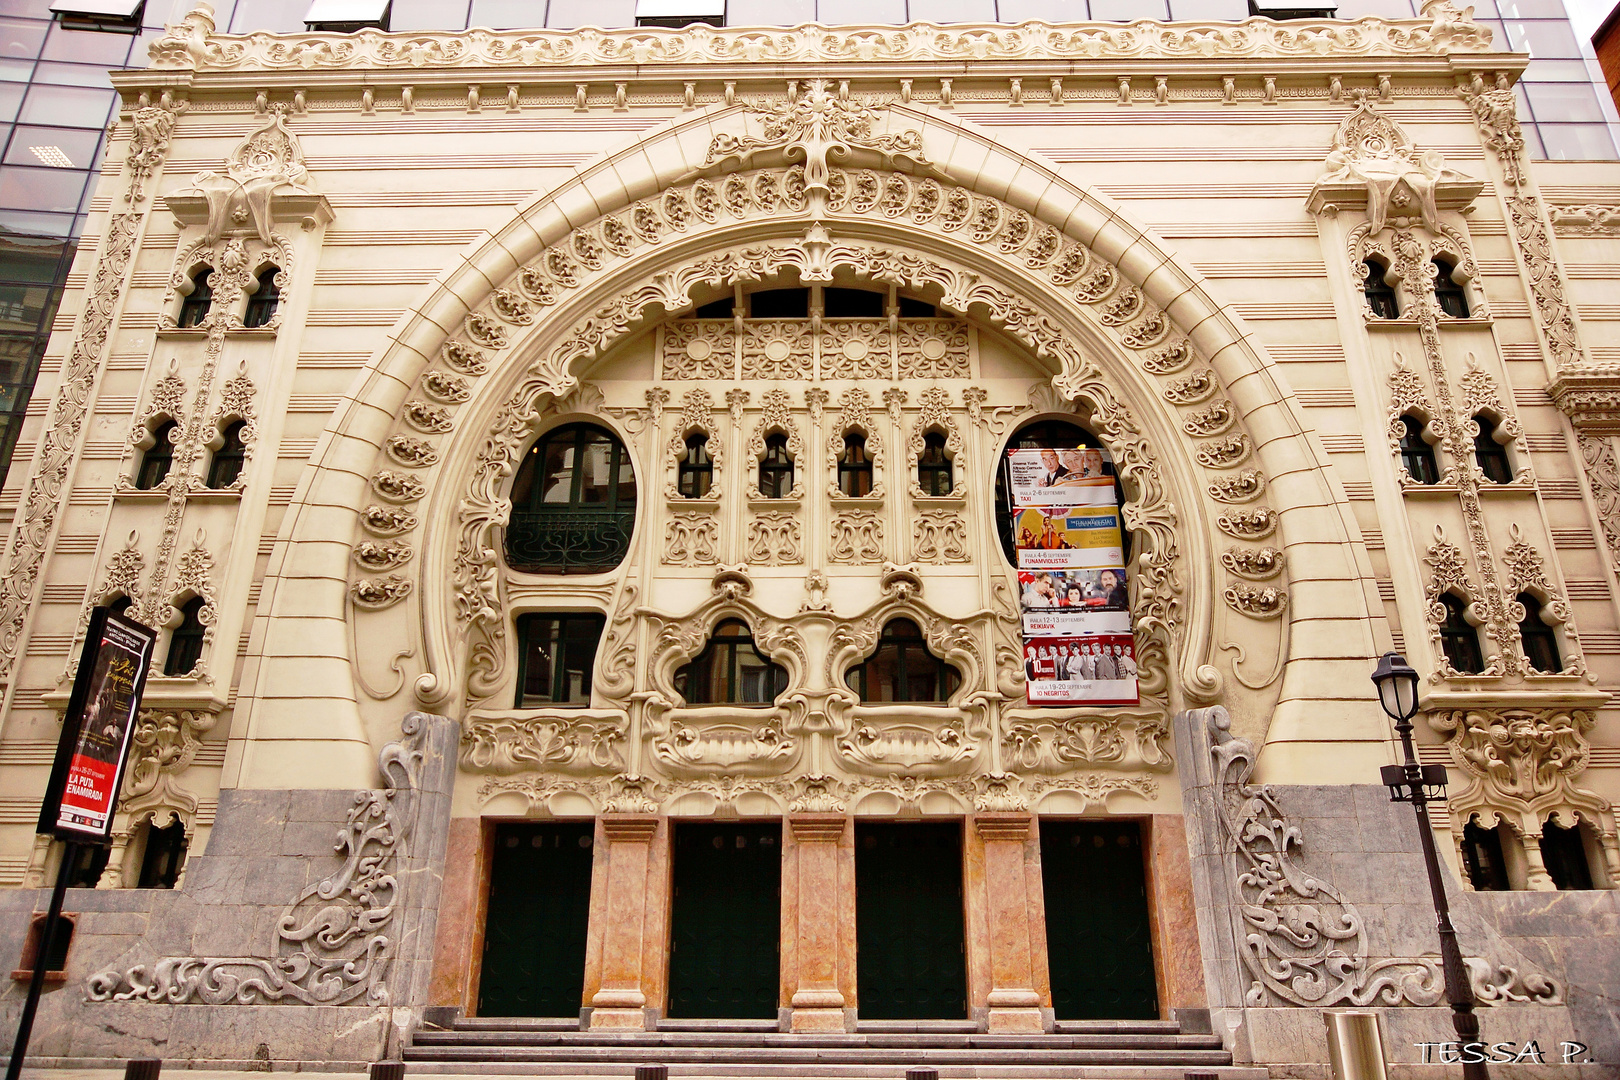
{"points": [[573, 503]]}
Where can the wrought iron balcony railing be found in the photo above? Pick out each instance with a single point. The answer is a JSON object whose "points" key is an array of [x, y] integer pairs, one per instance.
{"points": [[568, 540]]}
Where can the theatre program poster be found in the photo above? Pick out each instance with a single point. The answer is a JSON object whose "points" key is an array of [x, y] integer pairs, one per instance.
{"points": [[96, 733], [1067, 529]]}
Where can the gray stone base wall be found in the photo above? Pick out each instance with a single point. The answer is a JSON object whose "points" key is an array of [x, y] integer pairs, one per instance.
{"points": [[206, 976], [1553, 958]]}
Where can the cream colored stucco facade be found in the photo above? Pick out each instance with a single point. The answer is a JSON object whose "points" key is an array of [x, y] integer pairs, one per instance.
{"points": [[1157, 232]]}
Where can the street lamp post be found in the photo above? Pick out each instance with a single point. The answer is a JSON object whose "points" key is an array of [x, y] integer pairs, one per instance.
{"points": [[1418, 785]]}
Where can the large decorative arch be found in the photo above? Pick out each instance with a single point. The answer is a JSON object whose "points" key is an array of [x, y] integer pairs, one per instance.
{"points": [[1212, 450]]}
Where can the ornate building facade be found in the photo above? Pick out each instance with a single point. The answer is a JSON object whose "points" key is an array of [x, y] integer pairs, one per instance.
{"points": [[570, 469]]}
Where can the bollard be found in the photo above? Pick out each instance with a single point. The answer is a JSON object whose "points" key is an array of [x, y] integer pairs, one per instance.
{"points": [[923, 1073], [1355, 1045], [652, 1072], [142, 1068], [387, 1070]]}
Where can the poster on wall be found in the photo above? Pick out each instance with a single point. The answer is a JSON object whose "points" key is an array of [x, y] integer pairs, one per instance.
{"points": [[1098, 669], [1068, 534], [96, 732]]}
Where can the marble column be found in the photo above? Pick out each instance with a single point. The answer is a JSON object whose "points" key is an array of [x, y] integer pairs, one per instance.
{"points": [[815, 950], [1010, 856], [458, 944], [1177, 956], [629, 919]]}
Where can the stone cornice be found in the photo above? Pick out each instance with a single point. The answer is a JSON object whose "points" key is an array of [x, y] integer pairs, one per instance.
{"points": [[192, 45], [1590, 397]]}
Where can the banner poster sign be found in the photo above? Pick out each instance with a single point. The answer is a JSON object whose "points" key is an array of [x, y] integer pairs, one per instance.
{"points": [[97, 730], [1098, 669], [1067, 529]]}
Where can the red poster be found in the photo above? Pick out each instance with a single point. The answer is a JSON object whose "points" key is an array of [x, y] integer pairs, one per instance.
{"points": [[100, 723]]}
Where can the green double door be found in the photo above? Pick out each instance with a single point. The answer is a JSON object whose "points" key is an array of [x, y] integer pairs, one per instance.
{"points": [[534, 932], [1099, 948], [911, 963], [726, 920]]}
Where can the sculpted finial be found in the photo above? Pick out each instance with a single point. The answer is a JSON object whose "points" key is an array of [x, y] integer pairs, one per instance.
{"points": [[1371, 151]]}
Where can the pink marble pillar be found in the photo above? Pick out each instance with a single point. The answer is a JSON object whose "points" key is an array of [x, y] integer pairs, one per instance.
{"points": [[815, 960], [629, 920], [1010, 856], [1177, 959]]}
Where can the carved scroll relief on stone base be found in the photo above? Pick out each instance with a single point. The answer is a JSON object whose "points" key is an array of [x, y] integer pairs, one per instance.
{"points": [[336, 939]]}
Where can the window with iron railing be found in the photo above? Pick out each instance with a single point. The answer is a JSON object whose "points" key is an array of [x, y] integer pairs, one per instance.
{"points": [[573, 503]]}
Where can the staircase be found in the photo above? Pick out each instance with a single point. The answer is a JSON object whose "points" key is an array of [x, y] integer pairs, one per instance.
{"points": [[877, 1050]]}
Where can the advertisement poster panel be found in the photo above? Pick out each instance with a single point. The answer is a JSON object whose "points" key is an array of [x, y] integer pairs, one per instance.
{"points": [[1048, 477], [96, 733], [1065, 537], [1098, 669], [1068, 533]]}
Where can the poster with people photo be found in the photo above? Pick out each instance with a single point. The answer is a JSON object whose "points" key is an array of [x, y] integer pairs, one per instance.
{"points": [[1096, 670], [1068, 533], [1063, 537], [1055, 477]]}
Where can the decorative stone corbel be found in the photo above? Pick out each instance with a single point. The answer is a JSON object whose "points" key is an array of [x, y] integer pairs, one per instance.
{"points": [[264, 182], [1374, 163]]}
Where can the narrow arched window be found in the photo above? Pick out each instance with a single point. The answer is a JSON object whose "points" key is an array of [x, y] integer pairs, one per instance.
{"points": [[1537, 638], [903, 670], [186, 642], [1458, 637], [1448, 291], [1563, 851], [194, 308], [164, 856], [261, 306], [573, 503], [696, 469], [229, 458], [776, 468], [1379, 292], [933, 466], [855, 466], [1079, 454], [731, 671], [1490, 453], [1416, 453], [1482, 858], [159, 458]]}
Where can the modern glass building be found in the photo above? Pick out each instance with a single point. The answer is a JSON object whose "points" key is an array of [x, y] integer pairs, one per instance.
{"points": [[55, 99]]}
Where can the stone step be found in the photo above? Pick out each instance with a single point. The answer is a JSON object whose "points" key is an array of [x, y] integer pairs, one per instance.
{"points": [[632, 1054], [956, 1026], [614, 1071], [743, 1040], [517, 1023], [717, 1025]]}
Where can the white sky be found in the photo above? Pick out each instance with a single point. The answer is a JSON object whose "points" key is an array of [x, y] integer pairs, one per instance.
{"points": [[1586, 15]]}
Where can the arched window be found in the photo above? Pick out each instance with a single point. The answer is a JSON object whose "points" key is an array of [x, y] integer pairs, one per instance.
{"points": [[228, 459], [1458, 638], [1416, 453], [731, 671], [261, 306], [186, 642], [1073, 444], [194, 308], [1448, 291], [1539, 640], [903, 670], [157, 460], [164, 857], [1490, 453], [556, 654], [1379, 292], [573, 503], [933, 467], [1482, 858], [776, 468], [1564, 853], [855, 466], [695, 473]]}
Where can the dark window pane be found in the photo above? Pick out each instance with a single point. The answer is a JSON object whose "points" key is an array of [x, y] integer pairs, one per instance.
{"points": [[1564, 852], [573, 503], [1482, 858], [776, 468], [164, 857], [556, 656], [933, 466], [1459, 639], [229, 458], [696, 470], [155, 463], [916, 309], [731, 671], [1380, 294], [1416, 453], [1491, 455], [779, 304], [83, 873], [1539, 640], [1448, 293], [852, 303], [186, 641]]}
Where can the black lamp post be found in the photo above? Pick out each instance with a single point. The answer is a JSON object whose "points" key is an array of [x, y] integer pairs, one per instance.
{"points": [[1418, 784]]}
